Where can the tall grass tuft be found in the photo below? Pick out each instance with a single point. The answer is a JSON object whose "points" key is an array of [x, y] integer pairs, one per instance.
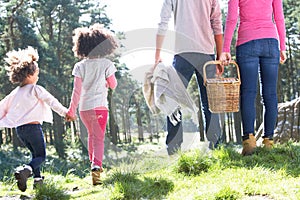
{"points": [[50, 191], [194, 163], [133, 186], [227, 194]]}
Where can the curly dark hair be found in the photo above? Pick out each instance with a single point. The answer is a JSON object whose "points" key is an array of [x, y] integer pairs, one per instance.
{"points": [[21, 64], [95, 41]]}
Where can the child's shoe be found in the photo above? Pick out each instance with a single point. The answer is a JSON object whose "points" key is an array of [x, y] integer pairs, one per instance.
{"points": [[38, 181], [96, 176], [22, 173], [249, 145], [268, 143]]}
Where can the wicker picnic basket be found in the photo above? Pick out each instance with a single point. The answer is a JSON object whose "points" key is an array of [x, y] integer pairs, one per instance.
{"points": [[223, 93]]}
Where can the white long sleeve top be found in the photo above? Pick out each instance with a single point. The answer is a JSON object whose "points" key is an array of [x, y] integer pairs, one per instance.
{"points": [[195, 23], [27, 104]]}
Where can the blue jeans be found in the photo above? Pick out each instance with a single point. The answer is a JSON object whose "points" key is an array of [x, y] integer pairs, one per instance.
{"points": [[32, 137], [258, 59], [186, 64]]}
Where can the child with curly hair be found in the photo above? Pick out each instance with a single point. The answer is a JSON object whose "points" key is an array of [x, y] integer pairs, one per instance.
{"points": [[94, 74], [26, 108]]}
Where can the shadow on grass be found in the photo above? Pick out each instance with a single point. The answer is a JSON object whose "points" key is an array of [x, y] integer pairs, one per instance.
{"points": [[10, 159], [76, 161], [87, 194], [284, 156], [131, 186]]}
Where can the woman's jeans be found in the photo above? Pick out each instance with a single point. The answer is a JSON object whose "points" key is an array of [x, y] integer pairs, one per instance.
{"points": [[258, 59], [95, 123], [186, 64], [32, 137]]}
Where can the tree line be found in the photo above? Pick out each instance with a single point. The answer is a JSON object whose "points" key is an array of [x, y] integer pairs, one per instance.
{"points": [[48, 26]]}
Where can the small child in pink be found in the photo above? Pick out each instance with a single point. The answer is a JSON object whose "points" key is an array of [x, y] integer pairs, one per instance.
{"points": [[94, 74]]}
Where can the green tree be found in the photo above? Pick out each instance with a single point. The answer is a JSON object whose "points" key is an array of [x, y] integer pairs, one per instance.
{"points": [[289, 75], [16, 32], [55, 22]]}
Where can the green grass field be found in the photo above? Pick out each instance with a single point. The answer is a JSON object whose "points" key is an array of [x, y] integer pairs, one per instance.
{"points": [[195, 174]]}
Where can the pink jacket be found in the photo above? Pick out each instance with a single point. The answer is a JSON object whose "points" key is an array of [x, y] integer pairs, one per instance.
{"points": [[28, 104]]}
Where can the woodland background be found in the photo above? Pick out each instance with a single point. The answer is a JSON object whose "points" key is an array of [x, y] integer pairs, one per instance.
{"points": [[48, 26]]}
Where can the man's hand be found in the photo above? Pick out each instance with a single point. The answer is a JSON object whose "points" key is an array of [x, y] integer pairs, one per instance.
{"points": [[220, 70]]}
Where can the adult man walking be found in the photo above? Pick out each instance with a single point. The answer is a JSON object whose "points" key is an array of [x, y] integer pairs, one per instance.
{"points": [[198, 29]]}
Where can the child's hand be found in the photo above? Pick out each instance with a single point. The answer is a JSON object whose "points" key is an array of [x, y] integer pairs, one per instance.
{"points": [[69, 118]]}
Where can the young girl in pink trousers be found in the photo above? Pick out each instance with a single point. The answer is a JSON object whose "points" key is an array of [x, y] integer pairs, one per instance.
{"points": [[93, 75]]}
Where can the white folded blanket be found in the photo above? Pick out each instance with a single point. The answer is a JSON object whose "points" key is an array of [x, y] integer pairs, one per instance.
{"points": [[164, 92]]}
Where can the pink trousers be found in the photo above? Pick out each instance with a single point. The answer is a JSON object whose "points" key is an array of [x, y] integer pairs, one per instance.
{"points": [[95, 123]]}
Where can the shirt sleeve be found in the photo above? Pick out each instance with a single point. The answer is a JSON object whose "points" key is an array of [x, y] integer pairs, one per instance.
{"points": [[112, 81], [76, 71], [231, 21], [75, 96], [43, 95], [165, 16], [3, 107], [110, 70], [279, 21], [216, 18]]}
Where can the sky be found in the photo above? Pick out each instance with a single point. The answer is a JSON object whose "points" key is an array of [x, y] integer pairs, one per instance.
{"points": [[138, 19], [133, 14]]}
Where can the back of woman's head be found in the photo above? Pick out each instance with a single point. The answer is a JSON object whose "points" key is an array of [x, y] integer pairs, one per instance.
{"points": [[95, 41], [21, 64]]}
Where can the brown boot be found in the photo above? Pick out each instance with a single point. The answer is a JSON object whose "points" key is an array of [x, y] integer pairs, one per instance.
{"points": [[268, 144], [38, 182], [22, 173], [249, 145], [96, 176]]}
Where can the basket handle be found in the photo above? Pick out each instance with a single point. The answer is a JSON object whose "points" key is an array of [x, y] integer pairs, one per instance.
{"points": [[218, 62]]}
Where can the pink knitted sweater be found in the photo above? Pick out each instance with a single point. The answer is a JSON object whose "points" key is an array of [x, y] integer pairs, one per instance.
{"points": [[258, 19]]}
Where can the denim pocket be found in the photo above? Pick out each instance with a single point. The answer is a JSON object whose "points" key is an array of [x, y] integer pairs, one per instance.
{"points": [[273, 48], [267, 47], [245, 49]]}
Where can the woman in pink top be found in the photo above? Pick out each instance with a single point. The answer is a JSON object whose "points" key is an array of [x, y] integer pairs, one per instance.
{"points": [[26, 108], [94, 74], [259, 50]]}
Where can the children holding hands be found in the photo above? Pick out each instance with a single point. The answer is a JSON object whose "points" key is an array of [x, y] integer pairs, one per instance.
{"points": [[29, 104]]}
